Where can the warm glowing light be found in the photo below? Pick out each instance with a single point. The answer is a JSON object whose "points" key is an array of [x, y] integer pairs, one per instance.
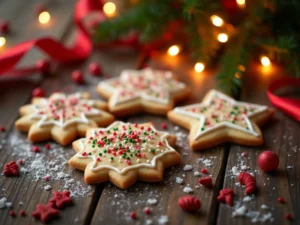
{"points": [[241, 2], [173, 50], [199, 67], [265, 61], [242, 68], [217, 21], [223, 37], [2, 41], [238, 75], [44, 17], [109, 8]]}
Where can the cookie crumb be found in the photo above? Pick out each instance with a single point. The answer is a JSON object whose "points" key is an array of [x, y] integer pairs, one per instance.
{"points": [[179, 180], [188, 190], [187, 167], [152, 201]]}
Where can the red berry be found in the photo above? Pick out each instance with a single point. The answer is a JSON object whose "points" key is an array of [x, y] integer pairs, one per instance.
{"points": [[288, 216], [147, 210], [2, 128], [133, 215], [189, 203], [36, 149], [94, 69], [164, 126], [77, 77], [43, 66], [280, 200], [47, 146], [244, 154], [204, 170], [12, 213], [22, 213], [268, 161], [38, 92], [4, 26], [206, 182]]}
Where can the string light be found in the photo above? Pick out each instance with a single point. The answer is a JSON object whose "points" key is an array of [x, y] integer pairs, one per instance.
{"points": [[173, 50], [222, 37], [44, 17], [241, 3], [109, 8], [199, 67], [265, 61], [216, 20], [2, 41]]}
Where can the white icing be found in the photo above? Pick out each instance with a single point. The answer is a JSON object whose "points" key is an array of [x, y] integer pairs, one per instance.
{"points": [[159, 81], [201, 118], [44, 119], [150, 164]]}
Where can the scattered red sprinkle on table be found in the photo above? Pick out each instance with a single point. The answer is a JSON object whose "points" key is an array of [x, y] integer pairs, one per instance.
{"points": [[4, 27], [132, 215], [45, 212], [147, 210], [2, 128], [61, 199], [47, 178], [38, 92], [268, 161], [288, 216], [189, 203], [43, 66], [164, 126], [204, 170], [206, 182], [36, 149], [244, 154], [12, 213], [226, 196], [94, 69], [280, 200], [22, 213], [11, 169], [47, 146], [77, 77], [249, 181], [20, 162]]}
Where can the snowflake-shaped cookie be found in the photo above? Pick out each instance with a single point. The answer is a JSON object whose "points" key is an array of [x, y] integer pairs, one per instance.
{"points": [[62, 117], [123, 153], [148, 90], [220, 119]]}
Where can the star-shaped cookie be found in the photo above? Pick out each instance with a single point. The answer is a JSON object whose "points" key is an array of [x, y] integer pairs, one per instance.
{"points": [[220, 119], [148, 90], [62, 117], [124, 153]]}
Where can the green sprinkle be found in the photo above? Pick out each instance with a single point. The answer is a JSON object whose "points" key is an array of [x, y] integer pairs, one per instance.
{"points": [[128, 158], [202, 128], [100, 154], [90, 153], [104, 150], [152, 150], [116, 128], [144, 141], [111, 158]]}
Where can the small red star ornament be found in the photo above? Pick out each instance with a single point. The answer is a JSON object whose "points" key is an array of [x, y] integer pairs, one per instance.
{"points": [[45, 212], [61, 199]]}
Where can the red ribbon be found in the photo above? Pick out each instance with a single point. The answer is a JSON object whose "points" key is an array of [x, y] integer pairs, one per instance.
{"points": [[288, 105], [81, 49]]}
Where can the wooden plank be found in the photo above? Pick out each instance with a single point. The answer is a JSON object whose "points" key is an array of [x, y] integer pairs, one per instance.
{"points": [[115, 205], [279, 136]]}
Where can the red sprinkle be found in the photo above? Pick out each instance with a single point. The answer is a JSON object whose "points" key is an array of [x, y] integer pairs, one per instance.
{"points": [[47, 178], [189, 203], [77, 77], [12, 213], [22, 213], [38, 92], [226, 196], [280, 200], [94, 69], [47, 146], [206, 182], [244, 154], [204, 170], [20, 162], [147, 210], [249, 181], [2, 128], [4, 26], [164, 126], [288, 216], [133, 215], [35, 149], [11, 169]]}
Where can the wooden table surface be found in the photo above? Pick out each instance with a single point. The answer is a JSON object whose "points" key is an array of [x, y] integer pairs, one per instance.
{"points": [[105, 203]]}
